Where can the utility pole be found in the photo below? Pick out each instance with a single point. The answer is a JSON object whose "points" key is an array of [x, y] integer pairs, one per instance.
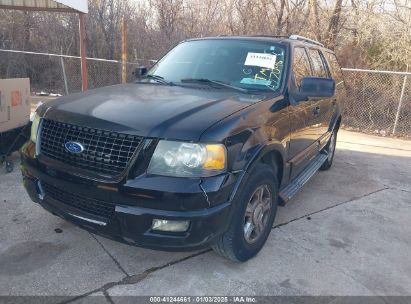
{"points": [[124, 51]]}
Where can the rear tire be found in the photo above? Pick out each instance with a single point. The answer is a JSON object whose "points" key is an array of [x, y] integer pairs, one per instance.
{"points": [[330, 149], [252, 219]]}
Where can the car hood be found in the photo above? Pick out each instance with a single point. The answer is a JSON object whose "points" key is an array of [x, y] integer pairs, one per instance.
{"points": [[150, 110]]}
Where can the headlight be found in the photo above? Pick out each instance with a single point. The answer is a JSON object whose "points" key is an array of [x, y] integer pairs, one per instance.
{"points": [[35, 127], [172, 158]]}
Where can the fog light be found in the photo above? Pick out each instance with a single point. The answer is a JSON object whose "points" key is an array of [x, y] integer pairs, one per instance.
{"points": [[170, 226]]}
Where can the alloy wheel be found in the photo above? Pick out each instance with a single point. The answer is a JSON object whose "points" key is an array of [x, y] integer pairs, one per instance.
{"points": [[257, 213]]}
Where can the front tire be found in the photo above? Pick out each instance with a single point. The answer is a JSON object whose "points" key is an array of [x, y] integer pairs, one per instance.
{"points": [[253, 217]]}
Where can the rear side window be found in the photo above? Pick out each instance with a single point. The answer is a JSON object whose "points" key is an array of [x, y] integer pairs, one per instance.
{"points": [[334, 67], [318, 64], [301, 65]]}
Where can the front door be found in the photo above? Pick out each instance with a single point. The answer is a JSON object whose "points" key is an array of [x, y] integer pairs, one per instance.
{"points": [[304, 134]]}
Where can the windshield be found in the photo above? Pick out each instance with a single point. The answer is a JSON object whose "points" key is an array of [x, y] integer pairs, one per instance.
{"points": [[251, 65]]}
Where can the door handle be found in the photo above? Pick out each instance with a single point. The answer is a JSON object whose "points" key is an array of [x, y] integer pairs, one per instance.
{"points": [[316, 111]]}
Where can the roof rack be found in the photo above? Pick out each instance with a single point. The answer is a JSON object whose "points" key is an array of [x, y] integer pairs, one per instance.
{"points": [[297, 37], [269, 36]]}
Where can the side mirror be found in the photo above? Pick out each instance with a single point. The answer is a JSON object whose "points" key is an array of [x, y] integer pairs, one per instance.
{"points": [[140, 72], [317, 87]]}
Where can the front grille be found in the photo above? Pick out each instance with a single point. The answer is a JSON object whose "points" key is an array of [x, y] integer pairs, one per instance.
{"points": [[86, 204], [105, 152]]}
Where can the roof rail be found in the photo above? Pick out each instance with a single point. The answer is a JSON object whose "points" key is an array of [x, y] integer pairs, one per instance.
{"points": [[269, 36], [297, 37]]}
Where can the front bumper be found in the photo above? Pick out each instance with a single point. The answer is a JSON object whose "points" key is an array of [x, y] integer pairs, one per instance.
{"points": [[131, 221]]}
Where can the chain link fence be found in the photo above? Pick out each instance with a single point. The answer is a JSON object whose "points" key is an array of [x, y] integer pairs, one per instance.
{"points": [[377, 102], [61, 74]]}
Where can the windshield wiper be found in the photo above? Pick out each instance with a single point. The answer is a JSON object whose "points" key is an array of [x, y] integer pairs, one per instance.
{"points": [[158, 78], [211, 82]]}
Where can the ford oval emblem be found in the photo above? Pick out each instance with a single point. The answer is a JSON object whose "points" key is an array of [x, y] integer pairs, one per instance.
{"points": [[74, 147]]}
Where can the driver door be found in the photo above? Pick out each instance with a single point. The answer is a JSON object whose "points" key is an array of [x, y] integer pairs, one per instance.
{"points": [[304, 134]]}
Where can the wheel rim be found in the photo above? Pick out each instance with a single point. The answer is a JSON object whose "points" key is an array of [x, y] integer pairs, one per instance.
{"points": [[257, 213], [331, 148]]}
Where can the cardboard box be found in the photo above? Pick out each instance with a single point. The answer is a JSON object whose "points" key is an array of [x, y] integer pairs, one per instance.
{"points": [[15, 103]]}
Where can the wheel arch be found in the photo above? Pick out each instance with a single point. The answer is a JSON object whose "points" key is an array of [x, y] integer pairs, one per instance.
{"points": [[272, 155], [274, 159]]}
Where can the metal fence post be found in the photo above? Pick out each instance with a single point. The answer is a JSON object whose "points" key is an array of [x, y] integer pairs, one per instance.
{"points": [[63, 69], [397, 116]]}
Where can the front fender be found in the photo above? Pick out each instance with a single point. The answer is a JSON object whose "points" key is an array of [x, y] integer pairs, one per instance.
{"points": [[252, 133]]}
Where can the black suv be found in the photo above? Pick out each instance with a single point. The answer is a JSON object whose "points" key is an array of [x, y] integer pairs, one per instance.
{"points": [[197, 152]]}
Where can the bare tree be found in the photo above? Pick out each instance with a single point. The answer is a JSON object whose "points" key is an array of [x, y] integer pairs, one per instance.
{"points": [[372, 33], [333, 24]]}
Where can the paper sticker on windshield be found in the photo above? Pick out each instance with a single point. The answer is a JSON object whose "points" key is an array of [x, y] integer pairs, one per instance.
{"points": [[261, 60], [255, 81]]}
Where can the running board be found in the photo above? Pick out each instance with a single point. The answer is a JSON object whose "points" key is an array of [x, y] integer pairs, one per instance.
{"points": [[297, 183]]}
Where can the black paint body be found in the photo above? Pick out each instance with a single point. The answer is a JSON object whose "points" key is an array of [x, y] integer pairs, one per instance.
{"points": [[273, 127]]}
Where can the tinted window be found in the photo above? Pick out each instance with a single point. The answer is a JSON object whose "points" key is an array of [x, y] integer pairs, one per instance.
{"points": [[255, 65], [301, 65], [334, 67], [318, 64]]}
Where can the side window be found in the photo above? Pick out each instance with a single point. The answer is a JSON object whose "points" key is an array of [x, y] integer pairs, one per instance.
{"points": [[301, 65], [318, 64], [334, 67]]}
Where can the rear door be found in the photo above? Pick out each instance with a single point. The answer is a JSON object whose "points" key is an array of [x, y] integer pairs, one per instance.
{"points": [[303, 129], [323, 107]]}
